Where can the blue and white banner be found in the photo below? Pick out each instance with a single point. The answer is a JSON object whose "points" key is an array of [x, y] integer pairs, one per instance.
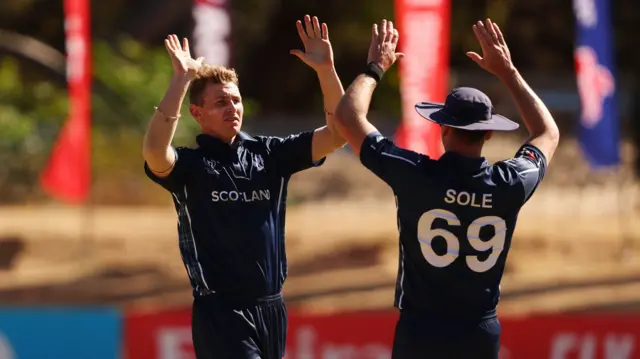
{"points": [[42, 333], [594, 60]]}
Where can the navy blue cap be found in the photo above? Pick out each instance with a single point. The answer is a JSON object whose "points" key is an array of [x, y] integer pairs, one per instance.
{"points": [[468, 109]]}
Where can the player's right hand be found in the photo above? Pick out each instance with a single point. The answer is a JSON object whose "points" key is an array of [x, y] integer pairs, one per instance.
{"points": [[384, 40], [181, 60], [496, 57]]}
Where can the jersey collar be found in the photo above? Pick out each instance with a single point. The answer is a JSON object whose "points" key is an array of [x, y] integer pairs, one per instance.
{"points": [[472, 163], [210, 143]]}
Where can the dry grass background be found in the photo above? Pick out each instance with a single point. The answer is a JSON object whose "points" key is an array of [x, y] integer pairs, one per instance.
{"points": [[576, 247]]}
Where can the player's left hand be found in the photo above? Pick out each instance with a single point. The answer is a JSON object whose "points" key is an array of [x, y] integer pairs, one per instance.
{"points": [[382, 50], [496, 57], [318, 53]]}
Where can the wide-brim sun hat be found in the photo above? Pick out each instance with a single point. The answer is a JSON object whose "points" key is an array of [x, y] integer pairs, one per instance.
{"points": [[468, 109]]}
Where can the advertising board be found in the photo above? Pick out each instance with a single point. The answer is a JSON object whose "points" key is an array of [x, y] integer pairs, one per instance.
{"points": [[54, 333]]}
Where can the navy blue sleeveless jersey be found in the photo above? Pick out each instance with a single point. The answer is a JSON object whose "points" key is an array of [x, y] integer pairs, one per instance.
{"points": [[456, 217], [230, 202]]}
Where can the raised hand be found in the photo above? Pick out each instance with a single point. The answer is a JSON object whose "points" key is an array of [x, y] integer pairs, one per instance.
{"points": [[318, 53], [382, 50], [496, 57], [181, 60]]}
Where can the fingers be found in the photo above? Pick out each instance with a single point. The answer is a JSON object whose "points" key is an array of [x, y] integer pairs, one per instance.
{"points": [[383, 31], [491, 31], [482, 30], [485, 33], [475, 57], [387, 32], [477, 30], [500, 36], [185, 46], [325, 31], [200, 60], [308, 26], [316, 27], [175, 42], [395, 36], [301, 32], [375, 35], [172, 42], [399, 55], [298, 54], [312, 29]]}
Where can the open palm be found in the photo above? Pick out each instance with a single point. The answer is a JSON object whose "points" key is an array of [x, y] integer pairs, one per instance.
{"points": [[496, 57], [181, 60], [318, 53]]}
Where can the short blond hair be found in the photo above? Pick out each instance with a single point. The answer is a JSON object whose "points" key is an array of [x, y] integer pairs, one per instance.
{"points": [[209, 74]]}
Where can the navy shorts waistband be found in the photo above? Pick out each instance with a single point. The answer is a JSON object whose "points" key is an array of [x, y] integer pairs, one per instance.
{"points": [[469, 318], [237, 301]]}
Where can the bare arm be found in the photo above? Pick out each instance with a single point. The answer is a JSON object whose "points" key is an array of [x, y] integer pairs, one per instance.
{"points": [[351, 114], [156, 148], [543, 131], [318, 55], [327, 139]]}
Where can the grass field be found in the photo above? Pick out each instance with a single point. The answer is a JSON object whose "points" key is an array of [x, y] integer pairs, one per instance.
{"points": [[576, 247]]}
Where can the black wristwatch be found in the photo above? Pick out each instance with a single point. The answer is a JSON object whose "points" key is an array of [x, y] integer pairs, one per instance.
{"points": [[375, 71]]}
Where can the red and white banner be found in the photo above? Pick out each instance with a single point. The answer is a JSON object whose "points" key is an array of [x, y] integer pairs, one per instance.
{"points": [[370, 336], [343, 336], [424, 72], [571, 337], [165, 335], [68, 172], [212, 30]]}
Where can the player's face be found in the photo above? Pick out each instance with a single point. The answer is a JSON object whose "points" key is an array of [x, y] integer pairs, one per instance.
{"points": [[221, 112]]}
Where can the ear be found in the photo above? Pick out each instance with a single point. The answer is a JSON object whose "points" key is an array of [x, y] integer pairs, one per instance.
{"points": [[488, 135], [195, 111], [445, 130]]}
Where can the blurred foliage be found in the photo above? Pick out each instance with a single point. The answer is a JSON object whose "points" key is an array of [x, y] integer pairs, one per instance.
{"points": [[31, 115], [131, 70]]}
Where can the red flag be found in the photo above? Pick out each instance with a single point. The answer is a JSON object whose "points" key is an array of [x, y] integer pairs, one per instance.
{"points": [[212, 30], [424, 72], [68, 173]]}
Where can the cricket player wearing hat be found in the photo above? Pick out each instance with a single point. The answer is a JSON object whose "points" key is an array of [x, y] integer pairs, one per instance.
{"points": [[456, 214]]}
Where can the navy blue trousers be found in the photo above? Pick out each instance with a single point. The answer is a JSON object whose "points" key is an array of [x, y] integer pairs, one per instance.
{"points": [[416, 338], [230, 329]]}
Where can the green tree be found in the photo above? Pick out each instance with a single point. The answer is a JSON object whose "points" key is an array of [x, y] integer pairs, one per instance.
{"points": [[131, 78]]}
